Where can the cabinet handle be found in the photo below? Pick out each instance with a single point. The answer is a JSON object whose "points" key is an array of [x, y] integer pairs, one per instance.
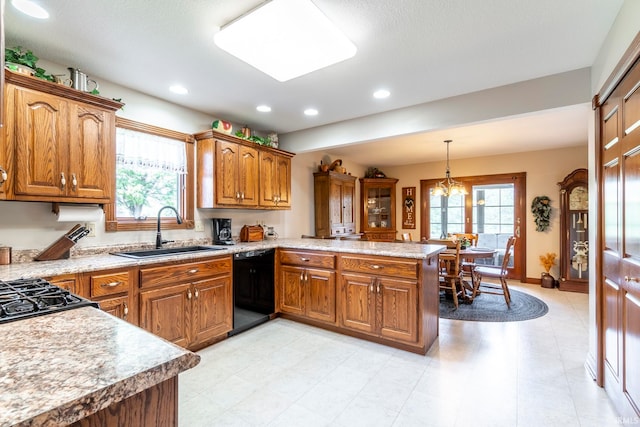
{"points": [[125, 309], [305, 259], [376, 266], [63, 181], [276, 200], [302, 276], [237, 195], [74, 181], [3, 175], [242, 195], [111, 284], [189, 294], [373, 281], [193, 271], [306, 276], [378, 287], [631, 279], [197, 294]]}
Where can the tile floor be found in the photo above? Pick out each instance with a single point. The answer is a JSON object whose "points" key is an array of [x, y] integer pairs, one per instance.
{"points": [[284, 373]]}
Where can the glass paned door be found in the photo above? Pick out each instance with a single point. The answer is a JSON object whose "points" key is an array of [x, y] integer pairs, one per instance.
{"points": [[492, 209]]}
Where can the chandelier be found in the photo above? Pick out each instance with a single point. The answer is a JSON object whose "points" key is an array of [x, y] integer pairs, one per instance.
{"points": [[448, 187]]}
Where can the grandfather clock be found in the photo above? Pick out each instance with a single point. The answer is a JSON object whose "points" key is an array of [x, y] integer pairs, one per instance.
{"points": [[574, 234]]}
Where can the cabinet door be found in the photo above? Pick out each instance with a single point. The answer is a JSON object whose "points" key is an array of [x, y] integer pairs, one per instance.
{"points": [[283, 181], [358, 302], [212, 308], [41, 141], [320, 294], [227, 170], [248, 176], [335, 206], [164, 312], [348, 211], [291, 292], [118, 307], [398, 309], [268, 179], [91, 153]]}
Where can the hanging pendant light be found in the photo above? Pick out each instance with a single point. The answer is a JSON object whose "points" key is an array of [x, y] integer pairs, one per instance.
{"points": [[448, 187]]}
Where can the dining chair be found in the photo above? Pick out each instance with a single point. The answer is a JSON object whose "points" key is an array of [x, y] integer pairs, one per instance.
{"points": [[406, 237], [467, 265], [450, 273], [500, 273]]}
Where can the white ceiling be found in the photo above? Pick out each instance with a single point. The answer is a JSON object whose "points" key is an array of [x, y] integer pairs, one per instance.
{"points": [[421, 50]]}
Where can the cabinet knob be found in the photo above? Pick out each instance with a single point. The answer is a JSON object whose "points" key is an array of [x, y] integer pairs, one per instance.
{"points": [[63, 181], [196, 293], [3, 175], [125, 309], [74, 181], [189, 294]]}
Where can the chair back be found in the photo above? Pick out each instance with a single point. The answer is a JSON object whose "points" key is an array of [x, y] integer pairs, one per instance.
{"points": [[507, 255], [450, 262], [406, 237]]}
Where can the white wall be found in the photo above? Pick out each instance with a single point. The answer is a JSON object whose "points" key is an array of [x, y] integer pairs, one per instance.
{"points": [[544, 170]]}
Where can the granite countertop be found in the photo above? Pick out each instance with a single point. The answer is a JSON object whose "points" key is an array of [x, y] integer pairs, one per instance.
{"points": [[58, 368], [78, 264]]}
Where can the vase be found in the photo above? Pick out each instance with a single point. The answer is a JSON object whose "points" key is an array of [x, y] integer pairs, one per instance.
{"points": [[547, 281]]}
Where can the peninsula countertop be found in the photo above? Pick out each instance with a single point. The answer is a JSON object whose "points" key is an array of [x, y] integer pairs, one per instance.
{"points": [[80, 264], [58, 368]]}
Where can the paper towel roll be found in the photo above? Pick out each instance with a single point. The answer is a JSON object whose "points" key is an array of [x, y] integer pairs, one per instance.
{"points": [[79, 213]]}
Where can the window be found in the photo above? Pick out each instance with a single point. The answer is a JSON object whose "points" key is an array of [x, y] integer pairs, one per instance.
{"points": [[154, 168]]}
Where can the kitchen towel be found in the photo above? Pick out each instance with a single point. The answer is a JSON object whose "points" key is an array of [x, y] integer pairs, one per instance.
{"points": [[79, 213]]}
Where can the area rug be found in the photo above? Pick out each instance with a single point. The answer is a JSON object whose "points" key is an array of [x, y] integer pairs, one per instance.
{"points": [[492, 308]]}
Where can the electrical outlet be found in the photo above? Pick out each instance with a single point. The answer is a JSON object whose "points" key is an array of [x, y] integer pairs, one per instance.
{"points": [[91, 226], [199, 226]]}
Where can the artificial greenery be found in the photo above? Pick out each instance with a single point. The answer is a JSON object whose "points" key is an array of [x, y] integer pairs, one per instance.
{"points": [[257, 139], [21, 56], [541, 209]]}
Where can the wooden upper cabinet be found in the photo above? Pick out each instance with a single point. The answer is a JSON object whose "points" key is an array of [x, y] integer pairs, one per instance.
{"points": [[234, 173], [63, 141], [378, 208], [334, 194], [275, 180]]}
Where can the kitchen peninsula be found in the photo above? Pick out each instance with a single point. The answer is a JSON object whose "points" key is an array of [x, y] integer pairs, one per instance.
{"points": [[68, 365]]}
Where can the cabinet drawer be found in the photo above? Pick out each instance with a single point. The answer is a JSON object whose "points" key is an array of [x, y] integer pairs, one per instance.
{"points": [[309, 259], [187, 272], [379, 266], [109, 284], [338, 231]]}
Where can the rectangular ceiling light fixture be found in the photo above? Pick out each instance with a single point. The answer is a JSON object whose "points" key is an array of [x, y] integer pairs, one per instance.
{"points": [[285, 39]]}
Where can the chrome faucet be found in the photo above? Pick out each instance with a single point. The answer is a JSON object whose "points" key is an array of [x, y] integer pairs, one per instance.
{"points": [[159, 240]]}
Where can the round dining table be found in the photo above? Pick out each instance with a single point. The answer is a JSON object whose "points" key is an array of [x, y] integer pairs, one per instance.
{"points": [[470, 255]]}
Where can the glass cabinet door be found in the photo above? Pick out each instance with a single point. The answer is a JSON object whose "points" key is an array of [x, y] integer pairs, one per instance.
{"points": [[379, 207]]}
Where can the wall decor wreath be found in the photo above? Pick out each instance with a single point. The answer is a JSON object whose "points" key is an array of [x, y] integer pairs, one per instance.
{"points": [[541, 209]]}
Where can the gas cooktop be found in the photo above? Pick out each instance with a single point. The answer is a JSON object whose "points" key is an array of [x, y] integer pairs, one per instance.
{"points": [[23, 298]]}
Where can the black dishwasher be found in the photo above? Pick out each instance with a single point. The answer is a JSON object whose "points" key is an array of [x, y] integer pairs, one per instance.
{"points": [[253, 296]]}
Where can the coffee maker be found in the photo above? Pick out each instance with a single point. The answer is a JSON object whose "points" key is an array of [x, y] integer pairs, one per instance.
{"points": [[222, 231]]}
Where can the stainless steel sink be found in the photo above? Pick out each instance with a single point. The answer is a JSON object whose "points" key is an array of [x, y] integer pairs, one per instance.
{"points": [[149, 253]]}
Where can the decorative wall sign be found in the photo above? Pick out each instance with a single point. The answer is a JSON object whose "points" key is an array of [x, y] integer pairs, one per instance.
{"points": [[408, 207]]}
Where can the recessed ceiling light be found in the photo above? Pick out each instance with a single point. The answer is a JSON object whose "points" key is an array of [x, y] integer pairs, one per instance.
{"points": [[263, 108], [180, 90], [285, 39], [311, 112], [30, 8], [381, 94]]}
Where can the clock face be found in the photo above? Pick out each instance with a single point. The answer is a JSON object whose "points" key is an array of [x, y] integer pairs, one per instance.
{"points": [[579, 199]]}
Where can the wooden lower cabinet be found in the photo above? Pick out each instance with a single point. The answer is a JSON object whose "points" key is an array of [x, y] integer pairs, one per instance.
{"points": [[113, 290], [308, 292], [307, 285], [380, 306], [67, 281], [189, 304]]}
